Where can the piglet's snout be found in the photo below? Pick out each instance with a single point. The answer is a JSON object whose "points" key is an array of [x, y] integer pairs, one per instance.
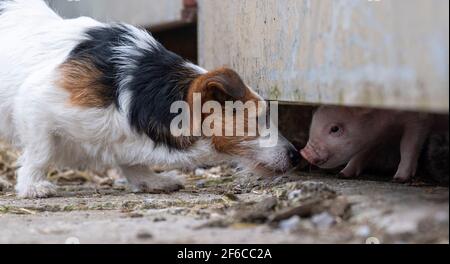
{"points": [[310, 155]]}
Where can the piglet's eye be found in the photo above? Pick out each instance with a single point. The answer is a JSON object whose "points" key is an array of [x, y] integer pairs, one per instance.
{"points": [[334, 129]]}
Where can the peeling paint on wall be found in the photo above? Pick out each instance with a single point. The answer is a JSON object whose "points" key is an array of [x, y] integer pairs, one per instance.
{"points": [[388, 53]]}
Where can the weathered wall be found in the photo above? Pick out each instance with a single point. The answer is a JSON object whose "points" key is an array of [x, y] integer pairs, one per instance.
{"points": [[137, 12], [390, 53]]}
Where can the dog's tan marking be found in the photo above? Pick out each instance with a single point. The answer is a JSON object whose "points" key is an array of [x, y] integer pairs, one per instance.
{"points": [[223, 85], [82, 80]]}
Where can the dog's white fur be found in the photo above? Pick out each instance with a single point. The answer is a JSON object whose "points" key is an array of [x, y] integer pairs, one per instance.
{"points": [[36, 117], [35, 114]]}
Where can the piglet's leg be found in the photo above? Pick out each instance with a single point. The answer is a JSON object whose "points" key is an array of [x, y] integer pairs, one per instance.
{"points": [[411, 143], [143, 179], [356, 165]]}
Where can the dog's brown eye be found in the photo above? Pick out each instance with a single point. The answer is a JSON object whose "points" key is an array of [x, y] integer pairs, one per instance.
{"points": [[334, 129]]}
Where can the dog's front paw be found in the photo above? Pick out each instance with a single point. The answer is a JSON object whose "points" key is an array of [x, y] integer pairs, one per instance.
{"points": [[42, 189], [157, 185]]}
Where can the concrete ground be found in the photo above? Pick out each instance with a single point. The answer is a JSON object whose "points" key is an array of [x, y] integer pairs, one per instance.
{"points": [[217, 206]]}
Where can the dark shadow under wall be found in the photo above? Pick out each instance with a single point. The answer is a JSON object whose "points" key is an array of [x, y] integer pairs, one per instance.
{"points": [[295, 119]]}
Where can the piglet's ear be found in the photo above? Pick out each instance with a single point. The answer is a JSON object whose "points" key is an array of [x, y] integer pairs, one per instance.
{"points": [[224, 84]]}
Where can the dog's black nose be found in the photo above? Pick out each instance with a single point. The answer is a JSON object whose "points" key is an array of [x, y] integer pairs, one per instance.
{"points": [[294, 157]]}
